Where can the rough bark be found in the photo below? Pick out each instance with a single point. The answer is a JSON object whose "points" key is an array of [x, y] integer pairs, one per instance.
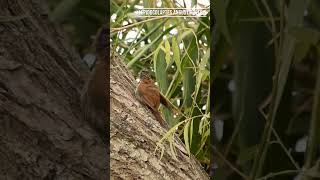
{"points": [[42, 135], [134, 134]]}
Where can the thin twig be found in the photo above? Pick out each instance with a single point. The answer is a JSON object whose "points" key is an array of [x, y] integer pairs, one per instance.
{"points": [[313, 139], [230, 164], [262, 151], [285, 149], [279, 141], [271, 175], [135, 24]]}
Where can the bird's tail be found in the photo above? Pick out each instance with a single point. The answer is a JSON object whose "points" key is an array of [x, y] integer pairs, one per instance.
{"points": [[169, 105], [158, 117]]}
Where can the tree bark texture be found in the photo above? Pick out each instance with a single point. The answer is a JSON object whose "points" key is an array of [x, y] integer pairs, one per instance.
{"points": [[42, 134], [134, 134]]}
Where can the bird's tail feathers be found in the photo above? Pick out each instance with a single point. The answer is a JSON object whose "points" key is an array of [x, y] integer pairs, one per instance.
{"points": [[159, 118]]}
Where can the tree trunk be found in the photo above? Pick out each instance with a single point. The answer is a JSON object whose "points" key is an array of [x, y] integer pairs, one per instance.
{"points": [[134, 134], [42, 134]]}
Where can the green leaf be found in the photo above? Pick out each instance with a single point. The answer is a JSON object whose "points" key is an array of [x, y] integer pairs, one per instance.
{"points": [[162, 152], [176, 54], [301, 51], [204, 138], [149, 3], [160, 69], [189, 60], [144, 49], [172, 146], [314, 133], [202, 125], [186, 136], [193, 3], [305, 34], [220, 10], [202, 73], [191, 131], [295, 18], [167, 51], [149, 33]]}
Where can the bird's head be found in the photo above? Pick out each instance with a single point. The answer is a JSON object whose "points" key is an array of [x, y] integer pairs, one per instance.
{"points": [[144, 75]]}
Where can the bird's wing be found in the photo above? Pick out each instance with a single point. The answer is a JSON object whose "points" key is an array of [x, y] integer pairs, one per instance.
{"points": [[150, 96]]}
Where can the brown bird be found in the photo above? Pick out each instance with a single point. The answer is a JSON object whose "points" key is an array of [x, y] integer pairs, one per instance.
{"points": [[94, 95], [148, 94]]}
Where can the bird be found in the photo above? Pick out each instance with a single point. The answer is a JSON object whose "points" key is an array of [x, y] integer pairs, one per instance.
{"points": [[94, 94], [148, 94]]}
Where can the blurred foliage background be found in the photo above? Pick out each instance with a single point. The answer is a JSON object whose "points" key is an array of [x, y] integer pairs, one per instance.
{"points": [[266, 96], [80, 19], [176, 52]]}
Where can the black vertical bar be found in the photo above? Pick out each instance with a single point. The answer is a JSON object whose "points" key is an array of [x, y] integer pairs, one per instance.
{"points": [[212, 51]]}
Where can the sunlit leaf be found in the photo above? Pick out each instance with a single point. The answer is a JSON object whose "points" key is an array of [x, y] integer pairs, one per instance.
{"points": [[176, 53], [167, 51], [186, 136]]}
